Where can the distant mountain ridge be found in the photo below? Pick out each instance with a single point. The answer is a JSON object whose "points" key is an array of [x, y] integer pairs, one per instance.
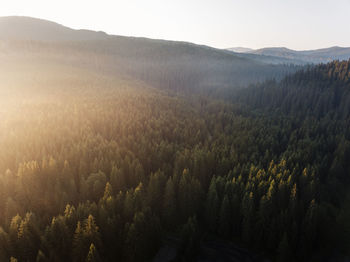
{"points": [[241, 49], [323, 55], [165, 64]]}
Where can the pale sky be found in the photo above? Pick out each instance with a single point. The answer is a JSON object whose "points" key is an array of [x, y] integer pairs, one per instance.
{"points": [[296, 24]]}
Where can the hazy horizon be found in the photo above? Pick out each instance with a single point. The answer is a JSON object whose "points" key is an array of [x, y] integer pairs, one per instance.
{"points": [[297, 25]]}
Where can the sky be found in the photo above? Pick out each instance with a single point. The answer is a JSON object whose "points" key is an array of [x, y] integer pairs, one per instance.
{"points": [[296, 24]]}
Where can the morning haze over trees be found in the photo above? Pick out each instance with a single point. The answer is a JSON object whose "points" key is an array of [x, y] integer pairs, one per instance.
{"points": [[131, 149]]}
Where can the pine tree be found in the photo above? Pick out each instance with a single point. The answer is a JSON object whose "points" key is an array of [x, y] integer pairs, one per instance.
{"points": [[139, 198], [108, 193], [169, 203], [225, 218], [212, 207], [284, 252], [78, 244], [189, 195], [91, 231], [5, 249], [118, 180], [236, 216], [310, 228], [41, 257], [70, 218], [13, 233], [57, 238], [155, 191], [93, 255], [83, 237], [129, 205], [29, 238], [190, 239], [293, 202], [143, 236], [248, 216]]}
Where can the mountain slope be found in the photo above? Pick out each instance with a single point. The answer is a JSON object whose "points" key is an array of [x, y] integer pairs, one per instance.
{"points": [[272, 59], [27, 28], [165, 64]]}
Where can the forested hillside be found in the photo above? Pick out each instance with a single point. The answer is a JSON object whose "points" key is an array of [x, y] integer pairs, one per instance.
{"points": [[106, 169], [319, 92]]}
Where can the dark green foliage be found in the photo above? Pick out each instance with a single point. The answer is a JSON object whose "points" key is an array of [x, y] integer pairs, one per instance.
{"points": [[212, 207], [190, 240], [284, 254], [143, 236], [169, 204], [106, 174], [57, 240], [316, 92], [225, 218]]}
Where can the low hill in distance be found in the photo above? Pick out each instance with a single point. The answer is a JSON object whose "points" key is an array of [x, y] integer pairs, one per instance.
{"points": [[286, 55], [241, 49]]}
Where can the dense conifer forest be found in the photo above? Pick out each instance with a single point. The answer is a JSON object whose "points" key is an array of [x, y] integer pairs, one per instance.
{"points": [[108, 171]]}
